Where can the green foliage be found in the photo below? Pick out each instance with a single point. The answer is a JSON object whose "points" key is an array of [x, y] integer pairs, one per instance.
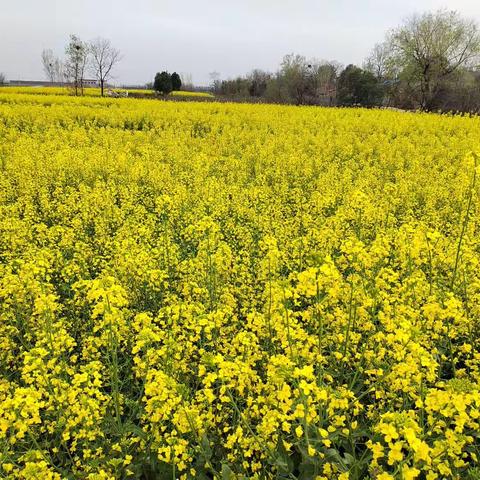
{"points": [[163, 83], [358, 87], [176, 81], [428, 49]]}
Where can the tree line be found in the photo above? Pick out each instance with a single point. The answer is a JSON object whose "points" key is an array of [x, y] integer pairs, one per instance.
{"points": [[429, 62]]}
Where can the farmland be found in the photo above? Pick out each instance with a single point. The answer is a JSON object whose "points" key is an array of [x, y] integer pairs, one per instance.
{"points": [[95, 92], [229, 291]]}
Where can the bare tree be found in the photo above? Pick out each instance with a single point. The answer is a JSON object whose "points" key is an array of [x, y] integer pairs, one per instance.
{"points": [[76, 63], [104, 57], [324, 77], [52, 66], [430, 47], [3, 79], [258, 80], [307, 82], [187, 81], [48, 64], [215, 82], [294, 76], [379, 62]]}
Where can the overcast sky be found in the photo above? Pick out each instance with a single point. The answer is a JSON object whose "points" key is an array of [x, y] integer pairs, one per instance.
{"points": [[198, 37]]}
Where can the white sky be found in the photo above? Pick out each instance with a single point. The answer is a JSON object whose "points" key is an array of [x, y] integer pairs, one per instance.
{"points": [[198, 37]]}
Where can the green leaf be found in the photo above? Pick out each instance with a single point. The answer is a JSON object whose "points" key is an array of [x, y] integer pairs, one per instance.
{"points": [[206, 449], [227, 473], [282, 460]]}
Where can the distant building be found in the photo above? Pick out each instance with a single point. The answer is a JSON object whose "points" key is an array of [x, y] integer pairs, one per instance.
{"points": [[88, 82]]}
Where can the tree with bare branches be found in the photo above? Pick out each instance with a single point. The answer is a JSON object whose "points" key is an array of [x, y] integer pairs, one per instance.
{"points": [[52, 66], [75, 64], [379, 62], [187, 81], [429, 48], [103, 57]]}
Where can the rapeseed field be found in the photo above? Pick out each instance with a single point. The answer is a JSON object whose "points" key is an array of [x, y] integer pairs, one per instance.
{"points": [[96, 92], [224, 291]]}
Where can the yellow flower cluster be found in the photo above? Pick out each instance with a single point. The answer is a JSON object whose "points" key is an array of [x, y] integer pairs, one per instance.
{"points": [[225, 291]]}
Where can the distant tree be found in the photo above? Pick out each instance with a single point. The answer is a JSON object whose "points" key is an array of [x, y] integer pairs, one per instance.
{"points": [[48, 63], [187, 81], [429, 48], [52, 66], [299, 81], [76, 63], [460, 92], [380, 62], [294, 76], [305, 82], [323, 80], [104, 57], [348, 82], [253, 85], [215, 82], [163, 83], [258, 83], [176, 81], [358, 87], [235, 87], [3, 79]]}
